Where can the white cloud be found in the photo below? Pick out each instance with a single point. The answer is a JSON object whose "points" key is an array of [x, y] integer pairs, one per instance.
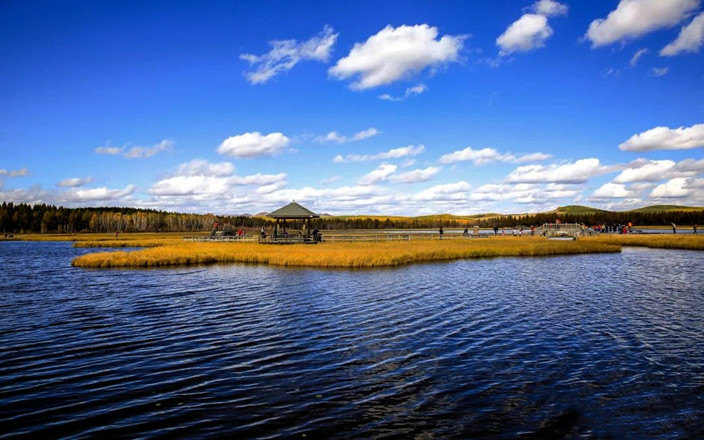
{"points": [[664, 138], [330, 180], [254, 144], [395, 153], [576, 172], [396, 53], [210, 185], [333, 136], [659, 71], [613, 191], [690, 39], [635, 18], [206, 180], [415, 176], [381, 173], [202, 167], [636, 57], [673, 188], [410, 91], [690, 165], [102, 194], [146, 152], [257, 179], [75, 181], [285, 54], [549, 8], [531, 30], [488, 155], [645, 171], [14, 173], [525, 34], [189, 185], [136, 152], [114, 151], [457, 191]]}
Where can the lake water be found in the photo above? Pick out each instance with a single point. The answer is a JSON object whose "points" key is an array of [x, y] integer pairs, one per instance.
{"points": [[587, 346]]}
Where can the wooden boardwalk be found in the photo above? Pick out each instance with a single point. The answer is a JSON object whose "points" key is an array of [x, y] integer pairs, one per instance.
{"points": [[333, 238]]}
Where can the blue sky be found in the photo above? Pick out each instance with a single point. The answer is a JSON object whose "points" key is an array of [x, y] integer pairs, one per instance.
{"points": [[353, 107]]}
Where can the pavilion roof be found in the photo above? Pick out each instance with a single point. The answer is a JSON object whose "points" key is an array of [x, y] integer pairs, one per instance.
{"points": [[293, 210]]}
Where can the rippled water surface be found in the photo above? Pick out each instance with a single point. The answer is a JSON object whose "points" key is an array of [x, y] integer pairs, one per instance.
{"points": [[589, 346]]}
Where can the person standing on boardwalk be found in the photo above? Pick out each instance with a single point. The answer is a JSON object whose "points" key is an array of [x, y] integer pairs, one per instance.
{"points": [[695, 228], [441, 232], [496, 230], [674, 228]]}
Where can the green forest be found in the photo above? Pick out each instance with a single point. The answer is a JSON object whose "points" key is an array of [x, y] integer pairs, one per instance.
{"points": [[41, 218]]}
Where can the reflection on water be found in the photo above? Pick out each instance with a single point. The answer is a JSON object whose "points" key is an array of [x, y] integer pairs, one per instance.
{"points": [[587, 346]]}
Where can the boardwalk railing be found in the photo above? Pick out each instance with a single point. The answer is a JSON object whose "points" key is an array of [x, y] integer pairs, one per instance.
{"points": [[352, 238], [223, 238], [335, 238]]}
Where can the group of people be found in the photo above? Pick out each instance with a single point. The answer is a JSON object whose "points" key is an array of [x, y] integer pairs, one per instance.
{"points": [[694, 228]]}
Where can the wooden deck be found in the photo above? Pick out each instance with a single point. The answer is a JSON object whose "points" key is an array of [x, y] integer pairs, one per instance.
{"points": [[333, 238]]}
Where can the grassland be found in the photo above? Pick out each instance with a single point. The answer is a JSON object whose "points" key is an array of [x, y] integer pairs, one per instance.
{"points": [[665, 241], [340, 254]]}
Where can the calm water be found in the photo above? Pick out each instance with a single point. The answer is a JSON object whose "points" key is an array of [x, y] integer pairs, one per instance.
{"points": [[590, 346]]}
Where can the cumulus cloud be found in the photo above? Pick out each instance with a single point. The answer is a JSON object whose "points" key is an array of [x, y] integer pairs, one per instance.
{"points": [[75, 181], [576, 172], [333, 136], [415, 176], [204, 179], [202, 167], [665, 138], [635, 18], [102, 194], [549, 8], [673, 189], [410, 91], [456, 191], [285, 54], [395, 153], [488, 155], [382, 172], [532, 30], [396, 53], [690, 39], [136, 152], [209, 185], [525, 34], [613, 191], [14, 173], [645, 171], [254, 144]]}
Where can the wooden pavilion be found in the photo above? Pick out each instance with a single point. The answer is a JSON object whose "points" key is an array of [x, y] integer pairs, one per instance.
{"points": [[292, 211]]}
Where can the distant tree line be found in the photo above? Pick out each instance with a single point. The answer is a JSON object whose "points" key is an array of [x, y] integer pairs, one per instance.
{"points": [[41, 218]]}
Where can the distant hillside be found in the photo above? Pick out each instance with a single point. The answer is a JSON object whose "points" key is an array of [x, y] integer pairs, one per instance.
{"points": [[586, 210], [577, 210], [667, 208]]}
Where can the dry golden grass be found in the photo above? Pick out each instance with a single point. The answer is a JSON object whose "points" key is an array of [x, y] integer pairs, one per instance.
{"points": [[340, 254], [664, 241]]}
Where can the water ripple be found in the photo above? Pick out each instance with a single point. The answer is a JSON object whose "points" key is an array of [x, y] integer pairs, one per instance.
{"points": [[588, 346]]}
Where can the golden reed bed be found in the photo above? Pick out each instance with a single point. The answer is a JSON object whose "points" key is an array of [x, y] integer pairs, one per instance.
{"points": [[340, 254]]}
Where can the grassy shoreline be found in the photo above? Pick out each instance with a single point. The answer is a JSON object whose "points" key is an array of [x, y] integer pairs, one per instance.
{"points": [[353, 255], [168, 249]]}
